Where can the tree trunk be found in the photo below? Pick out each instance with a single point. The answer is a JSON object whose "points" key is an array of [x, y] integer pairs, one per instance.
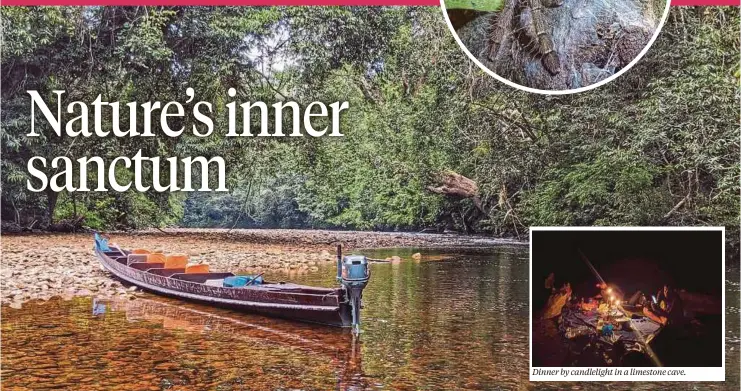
{"points": [[458, 186], [51, 204], [17, 213]]}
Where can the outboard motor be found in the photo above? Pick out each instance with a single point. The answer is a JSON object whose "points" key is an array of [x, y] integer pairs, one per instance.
{"points": [[353, 273]]}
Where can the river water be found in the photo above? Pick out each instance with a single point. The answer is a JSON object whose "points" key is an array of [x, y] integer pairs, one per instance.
{"points": [[457, 319]]}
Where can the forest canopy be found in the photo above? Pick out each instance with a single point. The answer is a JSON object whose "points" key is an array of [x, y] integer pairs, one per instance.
{"points": [[430, 141]]}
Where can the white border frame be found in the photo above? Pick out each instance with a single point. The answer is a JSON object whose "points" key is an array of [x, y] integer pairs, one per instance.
{"points": [[557, 92], [691, 373]]}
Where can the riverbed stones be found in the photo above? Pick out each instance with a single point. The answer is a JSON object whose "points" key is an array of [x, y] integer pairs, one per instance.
{"points": [[41, 266]]}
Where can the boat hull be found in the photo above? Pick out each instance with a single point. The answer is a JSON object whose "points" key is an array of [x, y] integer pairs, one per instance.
{"points": [[294, 302]]}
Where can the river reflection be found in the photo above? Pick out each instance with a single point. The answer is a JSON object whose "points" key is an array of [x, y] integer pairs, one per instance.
{"points": [[449, 321], [453, 320], [164, 344]]}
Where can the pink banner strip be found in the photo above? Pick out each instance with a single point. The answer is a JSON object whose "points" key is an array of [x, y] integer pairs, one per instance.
{"points": [[735, 3], [220, 2]]}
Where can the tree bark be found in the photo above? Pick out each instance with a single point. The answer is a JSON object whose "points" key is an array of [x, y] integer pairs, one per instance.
{"points": [[51, 204], [452, 184]]}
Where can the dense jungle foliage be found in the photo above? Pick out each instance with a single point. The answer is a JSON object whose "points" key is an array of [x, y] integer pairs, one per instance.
{"points": [[659, 146]]}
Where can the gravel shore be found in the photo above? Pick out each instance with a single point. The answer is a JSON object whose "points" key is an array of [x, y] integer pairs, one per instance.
{"points": [[41, 266]]}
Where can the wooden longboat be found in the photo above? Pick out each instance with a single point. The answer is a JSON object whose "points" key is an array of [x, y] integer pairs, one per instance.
{"points": [[328, 306]]}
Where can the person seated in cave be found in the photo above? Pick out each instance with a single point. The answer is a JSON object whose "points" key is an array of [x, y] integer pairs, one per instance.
{"points": [[666, 307], [557, 301]]}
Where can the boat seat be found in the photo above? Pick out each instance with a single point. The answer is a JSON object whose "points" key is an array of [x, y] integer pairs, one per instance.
{"points": [[140, 251], [215, 282], [156, 258], [200, 277], [191, 269], [165, 271], [176, 261], [136, 258], [146, 265]]}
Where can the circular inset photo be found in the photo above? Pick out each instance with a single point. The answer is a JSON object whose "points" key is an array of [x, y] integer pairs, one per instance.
{"points": [[555, 46]]}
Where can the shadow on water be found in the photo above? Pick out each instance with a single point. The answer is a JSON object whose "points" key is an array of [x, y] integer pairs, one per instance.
{"points": [[456, 319]]}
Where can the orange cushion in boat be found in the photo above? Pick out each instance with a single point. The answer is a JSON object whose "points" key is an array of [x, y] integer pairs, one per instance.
{"points": [[202, 268], [176, 261], [140, 251], [156, 258]]}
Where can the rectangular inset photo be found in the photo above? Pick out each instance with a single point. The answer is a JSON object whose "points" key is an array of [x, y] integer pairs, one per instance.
{"points": [[627, 303]]}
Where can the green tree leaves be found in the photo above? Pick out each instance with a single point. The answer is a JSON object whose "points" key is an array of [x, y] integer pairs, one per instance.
{"points": [[659, 146]]}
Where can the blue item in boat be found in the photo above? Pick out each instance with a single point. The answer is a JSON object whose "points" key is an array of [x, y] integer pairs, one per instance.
{"points": [[607, 330], [101, 243], [240, 281]]}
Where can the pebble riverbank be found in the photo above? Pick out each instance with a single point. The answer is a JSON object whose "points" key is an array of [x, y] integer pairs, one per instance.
{"points": [[41, 266]]}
